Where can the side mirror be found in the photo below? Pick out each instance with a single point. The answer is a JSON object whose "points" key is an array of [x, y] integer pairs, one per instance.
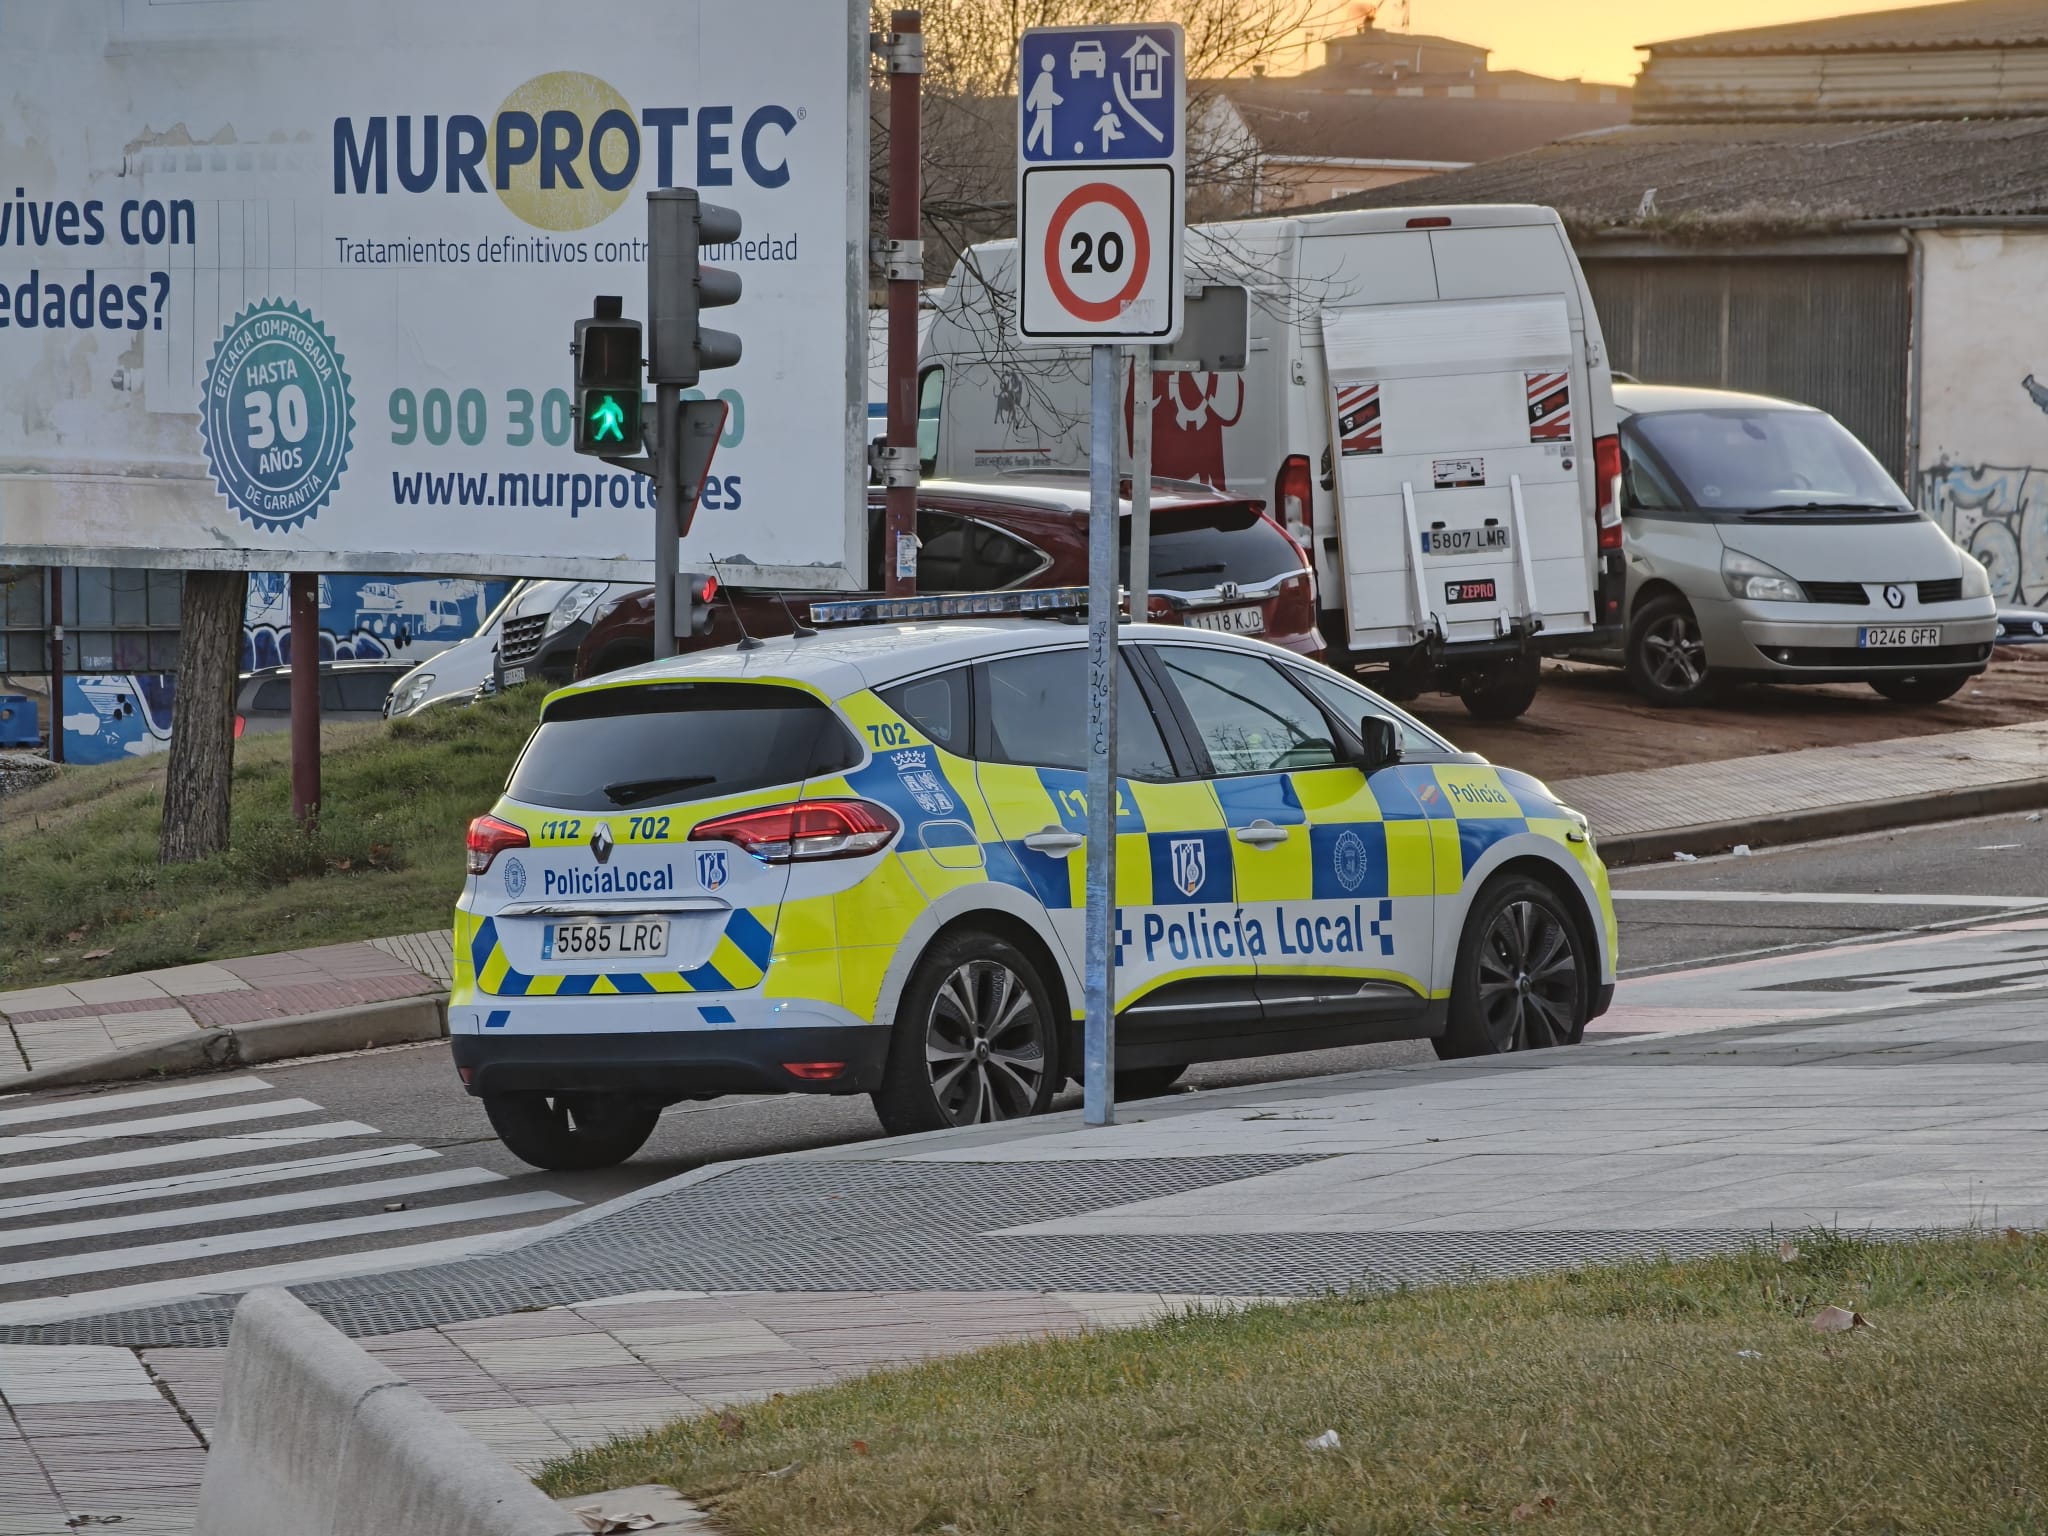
{"points": [[1382, 739]]}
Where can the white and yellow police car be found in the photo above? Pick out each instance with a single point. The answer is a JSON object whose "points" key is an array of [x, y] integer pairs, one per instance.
{"points": [[852, 862]]}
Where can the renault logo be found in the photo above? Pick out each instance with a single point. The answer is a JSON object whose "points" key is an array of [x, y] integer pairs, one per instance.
{"points": [[1895, 595], [601, 841]]}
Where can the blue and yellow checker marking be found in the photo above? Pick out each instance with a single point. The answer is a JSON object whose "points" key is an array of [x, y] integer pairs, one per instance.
{"points": [[737, 963]]}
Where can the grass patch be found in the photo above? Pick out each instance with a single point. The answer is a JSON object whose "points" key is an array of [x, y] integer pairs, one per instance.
{"points": [[78, 869], [1608, 1399]]}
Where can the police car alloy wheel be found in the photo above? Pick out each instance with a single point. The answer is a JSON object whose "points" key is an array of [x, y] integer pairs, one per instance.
{"points": [[1520, 984], [975, 1040], [565, 1131]]}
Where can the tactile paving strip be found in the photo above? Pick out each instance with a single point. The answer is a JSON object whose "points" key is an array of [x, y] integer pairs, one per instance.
{"points": [[845, 1225]]}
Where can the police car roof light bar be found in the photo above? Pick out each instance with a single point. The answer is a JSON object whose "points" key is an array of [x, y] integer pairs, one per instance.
{"points": [[1029, 603]]}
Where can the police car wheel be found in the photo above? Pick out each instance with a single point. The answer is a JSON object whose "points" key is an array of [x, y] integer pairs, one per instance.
{"points": [[975, 1040], [563, 1131], [1520, 983], [1667, 654]]}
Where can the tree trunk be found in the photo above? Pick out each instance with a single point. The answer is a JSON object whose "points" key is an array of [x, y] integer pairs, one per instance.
{"points": [[203, 720]]}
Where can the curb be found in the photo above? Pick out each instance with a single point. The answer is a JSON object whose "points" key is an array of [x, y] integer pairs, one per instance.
{"points": [[362, 1027], [1657, 846]]}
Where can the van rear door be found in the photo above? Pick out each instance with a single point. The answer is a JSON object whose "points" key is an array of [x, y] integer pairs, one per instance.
{"points": [[1459, 498]]}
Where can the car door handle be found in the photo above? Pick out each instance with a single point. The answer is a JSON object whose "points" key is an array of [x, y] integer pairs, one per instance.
{"points": [[1262, 834], [1054, 840]]}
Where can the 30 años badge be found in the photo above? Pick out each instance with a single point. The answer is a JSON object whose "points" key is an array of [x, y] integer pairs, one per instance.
{"points": [[277, 417]]}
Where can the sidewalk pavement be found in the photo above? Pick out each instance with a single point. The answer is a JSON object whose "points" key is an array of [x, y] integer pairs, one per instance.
{"points": [[80, 1021], [788, 1272], [1638, 817]]}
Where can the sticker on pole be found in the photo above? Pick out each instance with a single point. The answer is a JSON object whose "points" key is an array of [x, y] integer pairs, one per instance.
{"points": [[1101, 141]]}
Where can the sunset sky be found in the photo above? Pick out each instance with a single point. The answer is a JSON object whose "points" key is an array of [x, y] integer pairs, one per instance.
{"points": [[1595, 39]]}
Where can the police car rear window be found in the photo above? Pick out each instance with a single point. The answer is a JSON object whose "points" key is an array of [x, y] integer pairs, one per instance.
{"points": [[671, 743]]}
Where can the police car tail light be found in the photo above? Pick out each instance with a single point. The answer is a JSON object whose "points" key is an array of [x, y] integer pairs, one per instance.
{"points": [[1607, 487], [803, 829], [489, 837]]}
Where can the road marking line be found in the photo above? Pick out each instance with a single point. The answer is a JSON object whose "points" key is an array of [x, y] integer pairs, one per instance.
{"points": [[152, 1293], [236, 1210], [105, 1259], [35, 1141], [128, 1101], [186, 1151], [1834, 898], [49, 1202]]}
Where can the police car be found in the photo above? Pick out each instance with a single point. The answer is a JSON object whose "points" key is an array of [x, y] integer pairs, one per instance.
{"points": [[852, 862]]}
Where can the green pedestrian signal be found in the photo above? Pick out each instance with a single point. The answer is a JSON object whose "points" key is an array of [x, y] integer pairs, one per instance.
{"points": [[609, 378], [608, 422]]}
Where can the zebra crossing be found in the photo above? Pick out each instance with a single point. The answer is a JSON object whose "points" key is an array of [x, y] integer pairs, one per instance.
{"points": [[147, 1196]]}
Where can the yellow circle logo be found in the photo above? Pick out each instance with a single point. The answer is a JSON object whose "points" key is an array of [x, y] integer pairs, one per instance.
{"points": [[569, 149]]}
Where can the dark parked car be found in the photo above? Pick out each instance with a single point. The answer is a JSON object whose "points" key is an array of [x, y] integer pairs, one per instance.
{"points": [[1217, 563], [349, 690]]}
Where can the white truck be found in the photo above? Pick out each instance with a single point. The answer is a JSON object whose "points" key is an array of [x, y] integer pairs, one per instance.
{"points": [[1426, 404]]}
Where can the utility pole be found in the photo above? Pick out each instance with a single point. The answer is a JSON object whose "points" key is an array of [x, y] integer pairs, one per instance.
{"points": [[902, 259], [305, 611]]}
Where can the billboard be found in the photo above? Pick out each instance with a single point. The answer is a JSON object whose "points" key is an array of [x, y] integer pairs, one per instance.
{"points": [[286, 286]]}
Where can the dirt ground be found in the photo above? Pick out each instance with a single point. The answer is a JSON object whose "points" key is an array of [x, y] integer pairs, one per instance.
{"points": [[1586, 720]]}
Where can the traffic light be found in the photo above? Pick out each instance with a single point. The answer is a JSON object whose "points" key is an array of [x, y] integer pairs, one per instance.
{"points": [[679, 285], [608, 369], [695, 596]]}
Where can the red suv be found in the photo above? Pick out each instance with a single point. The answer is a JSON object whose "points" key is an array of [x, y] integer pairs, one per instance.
{"points": [[1217, 563]]}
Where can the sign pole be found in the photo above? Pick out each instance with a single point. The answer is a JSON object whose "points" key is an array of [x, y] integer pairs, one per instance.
{"points": [[1098, 983], [1140, 581]]}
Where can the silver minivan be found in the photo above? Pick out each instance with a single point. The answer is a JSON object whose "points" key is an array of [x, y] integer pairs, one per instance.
{"points": [[1764, 543]]}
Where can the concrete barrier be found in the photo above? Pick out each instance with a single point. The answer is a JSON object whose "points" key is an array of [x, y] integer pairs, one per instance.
{"points": [[317, 1439]]}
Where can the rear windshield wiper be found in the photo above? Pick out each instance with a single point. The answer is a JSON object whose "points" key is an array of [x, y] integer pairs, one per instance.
{"points": [[1829, 506], [626, 791]]}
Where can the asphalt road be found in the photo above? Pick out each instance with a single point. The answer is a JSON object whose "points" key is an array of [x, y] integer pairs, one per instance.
{"points": [[399, 1114]]}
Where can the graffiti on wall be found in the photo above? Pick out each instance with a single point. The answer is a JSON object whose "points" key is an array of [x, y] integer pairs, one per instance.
{"points": [[367, 618], [113, 715], [1999, 513]]}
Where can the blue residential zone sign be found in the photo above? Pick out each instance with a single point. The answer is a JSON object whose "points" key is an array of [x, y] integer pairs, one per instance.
{"points": [[1099, 95]]}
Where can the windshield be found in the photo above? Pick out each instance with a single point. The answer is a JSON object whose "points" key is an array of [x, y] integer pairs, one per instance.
{"points": [[1197, 548], [1747, 459]]}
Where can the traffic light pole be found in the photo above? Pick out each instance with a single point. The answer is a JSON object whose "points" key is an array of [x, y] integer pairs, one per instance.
{"points": [[668, 512]]}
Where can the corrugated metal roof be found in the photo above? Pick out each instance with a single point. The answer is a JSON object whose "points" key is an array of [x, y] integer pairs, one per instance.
{"points": [[1753, 177], [1960, 24], [1326, 125]]}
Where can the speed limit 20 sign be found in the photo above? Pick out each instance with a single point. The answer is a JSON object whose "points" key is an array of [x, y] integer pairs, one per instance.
{"points": [[1100, 158]]}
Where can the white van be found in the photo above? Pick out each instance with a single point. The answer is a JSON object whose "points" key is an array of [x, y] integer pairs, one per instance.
{"points": [[1426, 404]]}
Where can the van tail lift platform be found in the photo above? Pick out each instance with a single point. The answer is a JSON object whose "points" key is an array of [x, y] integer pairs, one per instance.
{"points": [[1529, 607], [1428, 623]]}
